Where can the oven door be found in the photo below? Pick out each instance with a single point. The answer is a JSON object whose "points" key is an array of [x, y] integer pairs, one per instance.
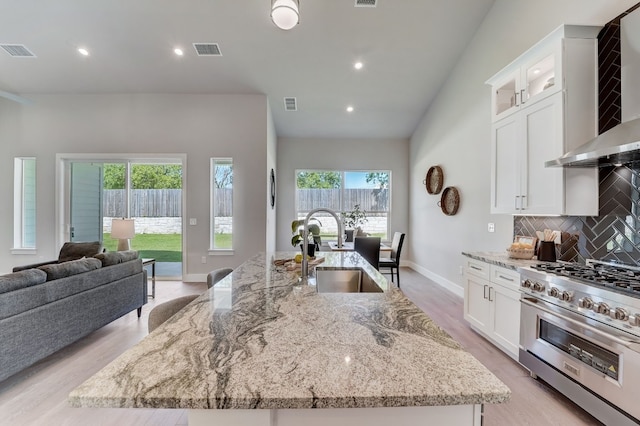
{"points": [[601, 358]]}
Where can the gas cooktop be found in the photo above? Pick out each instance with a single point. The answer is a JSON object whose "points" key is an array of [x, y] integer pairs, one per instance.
{"points": [[621, 277]]}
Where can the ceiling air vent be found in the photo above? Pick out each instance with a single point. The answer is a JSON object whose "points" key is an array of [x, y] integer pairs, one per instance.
{"points": [[207, 49], [366, 3], [18, 50], [290, 104]]}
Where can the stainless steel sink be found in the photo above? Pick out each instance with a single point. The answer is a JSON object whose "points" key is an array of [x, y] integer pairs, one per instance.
{"points": [[352, 280]]}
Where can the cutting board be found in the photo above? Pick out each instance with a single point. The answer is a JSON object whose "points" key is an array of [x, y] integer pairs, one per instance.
{"points": [[292, 265]]}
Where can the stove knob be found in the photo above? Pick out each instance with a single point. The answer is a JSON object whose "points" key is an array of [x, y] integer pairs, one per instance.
{"points": [[619, 314], [634, 320], [538, 287], [553, 292], [601, 308], [585, 302], [567, 296], [526, 283]]}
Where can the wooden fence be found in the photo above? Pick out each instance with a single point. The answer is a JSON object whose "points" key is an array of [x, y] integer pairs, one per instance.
{"points": [[370, 200], [168, 202]]}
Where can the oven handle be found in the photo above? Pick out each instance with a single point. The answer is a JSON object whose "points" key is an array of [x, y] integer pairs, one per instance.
{"points": [[624, 342]]}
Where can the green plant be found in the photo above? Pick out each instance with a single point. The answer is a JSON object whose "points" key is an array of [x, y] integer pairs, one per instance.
{"points": [[297, 229], [353, 218]]}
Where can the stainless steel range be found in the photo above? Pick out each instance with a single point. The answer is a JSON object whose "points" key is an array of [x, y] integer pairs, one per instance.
{"points": [[580, 332]]}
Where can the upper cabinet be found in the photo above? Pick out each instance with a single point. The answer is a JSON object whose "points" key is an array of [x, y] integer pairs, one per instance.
{"points": [[544, 104]]}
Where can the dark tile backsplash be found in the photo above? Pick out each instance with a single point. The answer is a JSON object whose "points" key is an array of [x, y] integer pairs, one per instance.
{"points": [[615, 233]]}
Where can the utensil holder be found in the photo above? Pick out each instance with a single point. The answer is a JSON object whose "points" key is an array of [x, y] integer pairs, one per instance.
{"points": [[547, 251]]}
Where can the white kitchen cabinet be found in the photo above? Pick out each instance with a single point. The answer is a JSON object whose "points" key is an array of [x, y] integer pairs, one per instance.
{"points": [[555, 113], [492, 304]]}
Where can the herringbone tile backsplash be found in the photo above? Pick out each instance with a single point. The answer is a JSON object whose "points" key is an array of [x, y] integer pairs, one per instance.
{"points": [[615, 233], [612, 235]]}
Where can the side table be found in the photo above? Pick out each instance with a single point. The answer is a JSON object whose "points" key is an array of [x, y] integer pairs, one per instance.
{"points": [[152, 262]]}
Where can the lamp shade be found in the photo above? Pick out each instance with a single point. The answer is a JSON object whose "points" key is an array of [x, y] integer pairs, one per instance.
{"points": [[285, 13], [123, 230]]}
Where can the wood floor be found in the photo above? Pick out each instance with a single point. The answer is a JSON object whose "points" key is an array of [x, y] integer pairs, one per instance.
{"points": [[37, 395]]}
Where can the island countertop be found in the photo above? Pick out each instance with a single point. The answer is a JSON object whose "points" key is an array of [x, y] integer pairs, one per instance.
{"points": [[261, 339]]}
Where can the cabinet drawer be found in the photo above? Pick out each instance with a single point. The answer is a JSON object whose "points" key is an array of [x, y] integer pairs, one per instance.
{"points": [[478, 268], [506, 277]]}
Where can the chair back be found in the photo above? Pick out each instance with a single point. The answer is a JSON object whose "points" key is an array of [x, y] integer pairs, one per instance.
{"points": [[396, 245], [216, 275], [369, 248]]}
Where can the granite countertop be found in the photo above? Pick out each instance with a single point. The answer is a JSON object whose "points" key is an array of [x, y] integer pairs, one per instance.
{"points": [[262, 339], [500, 259]]}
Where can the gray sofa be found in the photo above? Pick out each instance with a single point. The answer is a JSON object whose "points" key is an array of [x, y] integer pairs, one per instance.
{"points": [[46, 308]]}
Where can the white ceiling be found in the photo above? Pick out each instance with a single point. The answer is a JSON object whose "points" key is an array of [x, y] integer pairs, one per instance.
{"points": [[408, 47]]}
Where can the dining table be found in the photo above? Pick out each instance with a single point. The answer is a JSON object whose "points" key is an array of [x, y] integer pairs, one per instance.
{"points": [[348, 246]]}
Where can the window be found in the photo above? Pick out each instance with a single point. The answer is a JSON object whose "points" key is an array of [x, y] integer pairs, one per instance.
{"points": [[341, 191], [24, 218], [221, 238]]}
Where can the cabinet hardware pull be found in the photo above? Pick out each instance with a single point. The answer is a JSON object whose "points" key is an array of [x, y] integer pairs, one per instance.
{"points": [[516, 202], [505, 278], [491, 288], [516, 99], [484, 296], [475, 267], [523, 204], [522, 101]]}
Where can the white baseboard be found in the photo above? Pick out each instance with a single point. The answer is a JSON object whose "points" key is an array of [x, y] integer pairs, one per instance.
{"points": [[441, 281]]}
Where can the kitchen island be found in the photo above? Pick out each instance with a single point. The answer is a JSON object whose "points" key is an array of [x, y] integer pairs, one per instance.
{"points": [[264, 348]]}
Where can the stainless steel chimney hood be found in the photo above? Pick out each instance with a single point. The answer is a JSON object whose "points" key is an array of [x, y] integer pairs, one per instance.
{"points": [[619, 145]]}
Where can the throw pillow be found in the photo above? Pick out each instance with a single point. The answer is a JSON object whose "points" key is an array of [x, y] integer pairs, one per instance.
{"points": [[114, 257], [73, 267], [73, 251], [22, 279]]}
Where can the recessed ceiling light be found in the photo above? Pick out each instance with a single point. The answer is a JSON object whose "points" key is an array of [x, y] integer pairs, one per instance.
{"points": [[358, 65], [349, 108], [536, 71], [83, 51], [178, 51]]}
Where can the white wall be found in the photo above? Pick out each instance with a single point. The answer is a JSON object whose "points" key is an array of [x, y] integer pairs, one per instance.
{"points": [[455, 133], [272, 155], [341, 154], [200, 126]]}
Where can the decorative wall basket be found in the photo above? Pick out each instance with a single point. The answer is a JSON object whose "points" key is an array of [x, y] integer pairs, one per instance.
{"points": [[434, 180], [449, 201]]}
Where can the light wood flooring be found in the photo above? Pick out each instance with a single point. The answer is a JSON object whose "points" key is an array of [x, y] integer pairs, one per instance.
{"points": [[37, 395]]}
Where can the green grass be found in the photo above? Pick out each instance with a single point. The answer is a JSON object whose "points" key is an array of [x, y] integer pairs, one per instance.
{"points": [[162, 247]]}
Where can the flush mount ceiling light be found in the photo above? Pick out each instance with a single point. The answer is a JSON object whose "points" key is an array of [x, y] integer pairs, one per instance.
{"points": [[83, 51], [178, 51], [358, 65], [285, 13]]}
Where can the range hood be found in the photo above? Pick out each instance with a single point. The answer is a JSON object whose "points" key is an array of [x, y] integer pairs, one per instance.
{"points": [[616, 146]]}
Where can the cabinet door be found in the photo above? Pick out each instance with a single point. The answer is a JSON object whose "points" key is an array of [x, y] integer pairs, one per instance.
{"points": [[542, 73], [506, 166], [476, 302], [505, 321], [543, 187], [505, 96]]}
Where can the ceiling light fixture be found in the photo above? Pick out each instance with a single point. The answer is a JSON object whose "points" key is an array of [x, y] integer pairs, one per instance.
{"points": [[83, 51], [178, 51], [285, 13], [358, 65], [349, 108]]}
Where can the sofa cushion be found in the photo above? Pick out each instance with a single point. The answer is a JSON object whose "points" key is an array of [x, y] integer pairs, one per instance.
{"points": [[115, 257], [73, 267], [22, 279], [73, 251]]}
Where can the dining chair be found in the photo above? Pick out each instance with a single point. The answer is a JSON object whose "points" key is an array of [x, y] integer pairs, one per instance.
{"points": [[166, 310], [393, 261], [369, 248], [216, 275]]}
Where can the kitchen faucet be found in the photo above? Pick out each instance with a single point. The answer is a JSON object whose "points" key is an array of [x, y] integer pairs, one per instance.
{"points": [[305, 235]]}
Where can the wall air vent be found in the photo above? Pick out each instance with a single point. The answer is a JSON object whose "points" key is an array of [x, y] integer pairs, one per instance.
{"points": [[18, 50], [366, 3], [290, 104], [207, 49]]}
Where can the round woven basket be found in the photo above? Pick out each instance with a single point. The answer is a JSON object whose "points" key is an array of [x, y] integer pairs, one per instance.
{"points": [[520, 253]]}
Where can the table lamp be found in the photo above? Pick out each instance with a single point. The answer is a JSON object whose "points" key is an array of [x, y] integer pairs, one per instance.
{"points": [[123, 229]]}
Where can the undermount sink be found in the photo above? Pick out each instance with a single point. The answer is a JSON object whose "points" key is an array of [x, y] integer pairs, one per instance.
{"points": [[353, 280]]}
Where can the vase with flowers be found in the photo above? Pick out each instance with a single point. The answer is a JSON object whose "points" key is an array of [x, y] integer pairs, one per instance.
{"points": [[352, 221]]}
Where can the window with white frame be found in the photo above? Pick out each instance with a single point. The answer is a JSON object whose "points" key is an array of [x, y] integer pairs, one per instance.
{"points": [[341, 191], [24, 202], [221, 181]]}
